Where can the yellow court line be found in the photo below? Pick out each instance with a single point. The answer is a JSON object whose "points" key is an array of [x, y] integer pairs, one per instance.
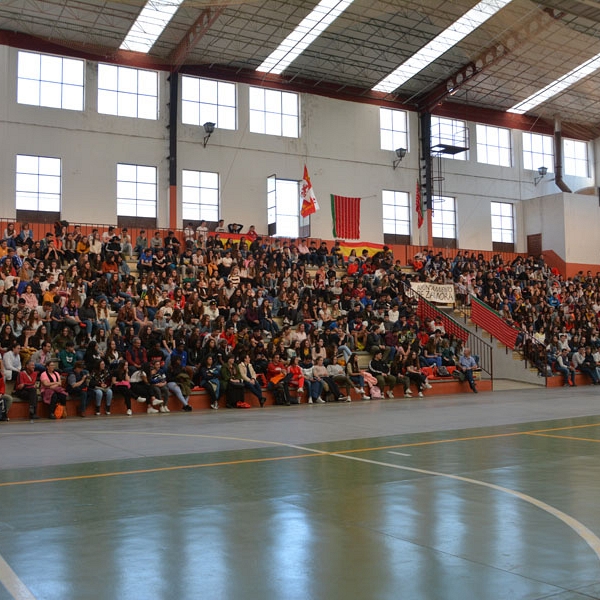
{"points": [[314, 452], [155, 470], [565, 437], [467, 439]]}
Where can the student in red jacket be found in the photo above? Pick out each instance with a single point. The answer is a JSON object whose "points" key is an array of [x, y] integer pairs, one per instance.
{"points": [[25, 387]]}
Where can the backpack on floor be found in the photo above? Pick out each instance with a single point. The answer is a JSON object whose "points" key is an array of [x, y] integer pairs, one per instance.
{"points": [[375, 392]]}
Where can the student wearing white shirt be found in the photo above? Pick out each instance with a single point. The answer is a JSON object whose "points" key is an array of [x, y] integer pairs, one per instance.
{"points": [[12, 362]]}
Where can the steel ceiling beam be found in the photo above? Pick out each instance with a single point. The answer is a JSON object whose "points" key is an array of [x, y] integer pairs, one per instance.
{"points": [[487, 58], [193, 35]]}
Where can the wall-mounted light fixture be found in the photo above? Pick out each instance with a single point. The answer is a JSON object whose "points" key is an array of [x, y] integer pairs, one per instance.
{"points": [[400, 153], [208, 129], [541, 174]]}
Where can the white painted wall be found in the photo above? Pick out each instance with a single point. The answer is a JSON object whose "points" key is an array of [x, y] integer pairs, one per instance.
{"points": [[339, 142], [547, 215]]}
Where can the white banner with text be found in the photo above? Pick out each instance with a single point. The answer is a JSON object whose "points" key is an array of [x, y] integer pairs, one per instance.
{"points": [[435, 292]]}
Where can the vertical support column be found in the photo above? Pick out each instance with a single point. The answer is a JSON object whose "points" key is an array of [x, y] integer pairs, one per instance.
{"points": [[173, 116], [426, 166], [426, 171]]}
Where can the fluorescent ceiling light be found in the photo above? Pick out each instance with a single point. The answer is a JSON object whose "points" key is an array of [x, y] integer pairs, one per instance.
{"points": [[444, 41], [151, 22], [309, 29], [560, 84]]}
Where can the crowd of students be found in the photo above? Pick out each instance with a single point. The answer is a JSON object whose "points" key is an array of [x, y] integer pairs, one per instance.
{"points": [[78, 320], [557, 317]]}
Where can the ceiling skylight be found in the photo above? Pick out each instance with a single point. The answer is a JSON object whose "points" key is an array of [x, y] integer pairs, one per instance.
{"points": [[151, 22], [557, 86], [309, 29], [444, 41]]}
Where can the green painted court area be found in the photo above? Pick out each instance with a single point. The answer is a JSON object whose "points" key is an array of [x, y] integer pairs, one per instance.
{"points": [[504, 511]]}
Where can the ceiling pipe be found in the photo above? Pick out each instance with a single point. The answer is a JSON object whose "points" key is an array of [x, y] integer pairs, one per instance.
{"points": [[558, 157]]}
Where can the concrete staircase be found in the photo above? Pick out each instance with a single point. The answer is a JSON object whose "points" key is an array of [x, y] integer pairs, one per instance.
{"points": [[508, 365]]}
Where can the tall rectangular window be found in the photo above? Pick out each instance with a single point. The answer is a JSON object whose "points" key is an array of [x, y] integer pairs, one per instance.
{"points": [[443, 221], [283, 209], [136, 191], [205, 100], [127, 92], [493, 145], [38, 185], [503, 226], [199, 196], [576, 158], [396, 217], [448, 137], [53, 81], [274, 113], [393, 129], [538, 151]]}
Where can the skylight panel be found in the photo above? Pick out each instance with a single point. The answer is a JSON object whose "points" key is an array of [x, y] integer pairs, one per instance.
{"points": [[443, 42], [557, 86], [303, 35], [151, 22]]}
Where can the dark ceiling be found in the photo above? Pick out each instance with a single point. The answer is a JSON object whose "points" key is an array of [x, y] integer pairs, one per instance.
{"points": [[518, 51]]}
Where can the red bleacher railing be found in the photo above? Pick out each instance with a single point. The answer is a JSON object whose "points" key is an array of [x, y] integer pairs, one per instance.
{"points": [[479, 347], [489, 320]]}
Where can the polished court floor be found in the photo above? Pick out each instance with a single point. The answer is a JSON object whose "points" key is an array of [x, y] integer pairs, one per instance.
{"points": [[494, 496]]}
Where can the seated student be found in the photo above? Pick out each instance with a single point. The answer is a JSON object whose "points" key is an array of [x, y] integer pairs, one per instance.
{"points": [[156, 241], [248, 376], [354, 373], [25, 388], [178, 382], [172, 243], [144, 390], [563, 366], [141, 242], [232, 385], [136, 356], [78, 382], [208, 377], [11, 362], [314, 384], [581, 363], [278, 380], [53, 392], [234, 227], [67, 357], [100, 383], [158, 382], [381, 371], [412, 368], [330, 386], [5, 400], [121, 385], [146, 261], [338, 373], [467, 364]]}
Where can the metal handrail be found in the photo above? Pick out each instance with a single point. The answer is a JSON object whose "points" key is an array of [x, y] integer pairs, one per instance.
{"points": [[525, 356], [479, 347]]}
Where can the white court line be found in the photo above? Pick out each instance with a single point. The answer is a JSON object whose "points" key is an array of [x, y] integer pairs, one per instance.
{"points": [[589, 537], [19, 591], [15, 587], [399, 453]]}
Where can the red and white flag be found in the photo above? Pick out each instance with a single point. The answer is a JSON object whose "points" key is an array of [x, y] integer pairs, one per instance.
{"points": [[419, 204], [307, 195]]}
